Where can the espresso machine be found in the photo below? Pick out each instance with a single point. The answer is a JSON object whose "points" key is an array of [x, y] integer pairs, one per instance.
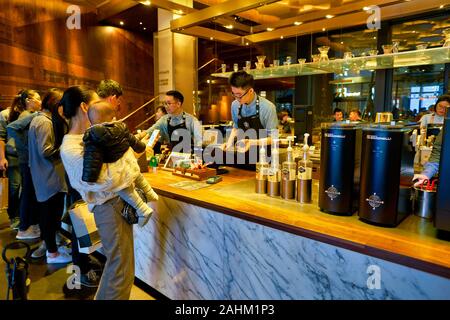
{"points": [[387, 159], [340, 154]]}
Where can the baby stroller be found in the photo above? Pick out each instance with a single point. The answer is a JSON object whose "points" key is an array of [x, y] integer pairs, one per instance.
{"points": [[17, 271]]}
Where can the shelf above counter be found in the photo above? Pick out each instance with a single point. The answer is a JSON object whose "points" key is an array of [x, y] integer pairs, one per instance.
{"points": [[339, 66]]}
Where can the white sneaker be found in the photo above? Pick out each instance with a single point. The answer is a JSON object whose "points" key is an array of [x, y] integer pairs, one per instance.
{"points": [[61, 257], [28, 234], [65, 250], [39, 252]]}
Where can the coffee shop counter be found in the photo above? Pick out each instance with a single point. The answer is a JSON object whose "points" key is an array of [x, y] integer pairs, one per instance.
{"points": [[224, 241]]}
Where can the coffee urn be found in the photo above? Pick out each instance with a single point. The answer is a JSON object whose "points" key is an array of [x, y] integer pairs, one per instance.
{"points": [[339, 168], [387, 160]]}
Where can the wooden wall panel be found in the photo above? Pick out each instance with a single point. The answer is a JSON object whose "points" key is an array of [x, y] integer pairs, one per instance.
{"points": [[38, 51]]}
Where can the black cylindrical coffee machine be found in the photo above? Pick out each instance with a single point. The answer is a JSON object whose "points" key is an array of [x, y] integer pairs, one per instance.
{"points": [[387, 160], [340, 153]]}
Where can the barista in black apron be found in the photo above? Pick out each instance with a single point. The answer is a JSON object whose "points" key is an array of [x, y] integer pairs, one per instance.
{"points": [[175, 133], [251, 122]]}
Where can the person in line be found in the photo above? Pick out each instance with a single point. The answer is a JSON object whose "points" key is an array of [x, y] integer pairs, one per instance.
{"points": [[110, 91], [338, 115], [47, 171], [29, 216], [102, 198], [172, 125], [107, 141], [26, 100]]}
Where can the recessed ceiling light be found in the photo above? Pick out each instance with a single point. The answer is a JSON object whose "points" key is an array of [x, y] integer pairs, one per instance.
{"points": [[121, 23], [246, 43], [281, 37], [323, 29], [375, 38], [140, 23], [146, 3], [211, 38], [342, 42], [269, 29], [145, 28], [297, 23], [441, 6], [329, 16], [230, 26]]}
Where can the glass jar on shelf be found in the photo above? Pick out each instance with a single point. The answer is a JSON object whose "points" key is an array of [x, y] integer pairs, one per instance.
{"points": [[446, 33], [323, 57]]}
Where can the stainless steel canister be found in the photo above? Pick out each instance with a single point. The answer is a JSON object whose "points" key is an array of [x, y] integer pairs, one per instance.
{"points": [[304, 190], [273, 188], [424, 203]]}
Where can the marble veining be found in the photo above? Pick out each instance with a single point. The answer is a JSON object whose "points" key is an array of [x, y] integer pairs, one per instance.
{"points": [[188, 252]]}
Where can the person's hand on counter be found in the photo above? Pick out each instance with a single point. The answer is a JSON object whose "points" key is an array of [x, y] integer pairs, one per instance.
{"points": [[245, 144], [418, 179]]}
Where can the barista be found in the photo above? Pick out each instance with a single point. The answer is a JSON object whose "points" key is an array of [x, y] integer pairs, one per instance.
{"points": [[179, 129], [250, 111], [437, 117], [431, 168]]}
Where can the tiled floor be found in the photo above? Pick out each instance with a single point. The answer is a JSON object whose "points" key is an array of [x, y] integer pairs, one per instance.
{"points": [[47, 281]]}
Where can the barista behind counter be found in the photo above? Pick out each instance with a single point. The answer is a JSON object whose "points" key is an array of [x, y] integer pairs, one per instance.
{"points": [[181, 130], [250, 111]]}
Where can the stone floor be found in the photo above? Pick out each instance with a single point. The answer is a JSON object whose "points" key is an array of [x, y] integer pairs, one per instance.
{"points": [[47, 281]]}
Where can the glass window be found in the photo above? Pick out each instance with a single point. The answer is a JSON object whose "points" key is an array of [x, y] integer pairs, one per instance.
{"points": [[416, 89]]}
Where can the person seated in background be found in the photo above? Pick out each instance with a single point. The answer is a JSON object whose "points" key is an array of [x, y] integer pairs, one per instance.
{"points": [[159, 112], [108, 141], [355, 115], [439, 109], [284, 123], [338, 114]]}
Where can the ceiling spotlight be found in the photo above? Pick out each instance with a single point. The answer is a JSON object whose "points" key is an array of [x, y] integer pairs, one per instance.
{"points": [[329, 16], [342, 42], [246, 43], [230, 26], [375, 38], [146, 3], [281, 37], [269, 29], [121, 23], [297, 23], [441, 6], [211, 38], [145, 28], [323, 29], [140, 23]]}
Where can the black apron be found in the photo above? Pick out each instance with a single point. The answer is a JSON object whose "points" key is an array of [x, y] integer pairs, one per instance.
{"points": [[174, 136], [251, 122]]}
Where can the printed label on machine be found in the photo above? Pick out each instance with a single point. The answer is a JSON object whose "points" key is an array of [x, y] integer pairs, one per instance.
{"points": [[304, 173]]}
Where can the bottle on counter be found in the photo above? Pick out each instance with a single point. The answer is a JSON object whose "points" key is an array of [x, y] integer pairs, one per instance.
{"points": [[304, 175], [261, 172], [274, 172], [288, 173]]}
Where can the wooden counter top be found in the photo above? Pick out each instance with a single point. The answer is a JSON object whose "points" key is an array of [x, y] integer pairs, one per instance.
{"points": [[413, 243]]}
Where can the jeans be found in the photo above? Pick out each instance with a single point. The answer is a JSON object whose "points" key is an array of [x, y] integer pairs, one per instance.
{"points": [[13, 191], [29, 213]]}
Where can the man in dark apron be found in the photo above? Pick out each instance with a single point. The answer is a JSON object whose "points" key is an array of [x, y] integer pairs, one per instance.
{"points": [[254, 118], [179, 129]]}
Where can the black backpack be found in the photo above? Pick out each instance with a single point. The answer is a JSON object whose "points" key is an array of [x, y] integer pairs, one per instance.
{"points": [[17, 271]]}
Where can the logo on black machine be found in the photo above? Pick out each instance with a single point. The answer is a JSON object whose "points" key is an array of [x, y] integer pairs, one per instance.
{"points": [[374, 201], [332, 192]]}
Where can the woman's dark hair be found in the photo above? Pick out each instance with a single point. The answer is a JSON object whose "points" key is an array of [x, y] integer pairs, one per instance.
{"points": [[176, 94], [72, 99], [444, 97], [19, 103], [52, 102], [241, 79]]}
